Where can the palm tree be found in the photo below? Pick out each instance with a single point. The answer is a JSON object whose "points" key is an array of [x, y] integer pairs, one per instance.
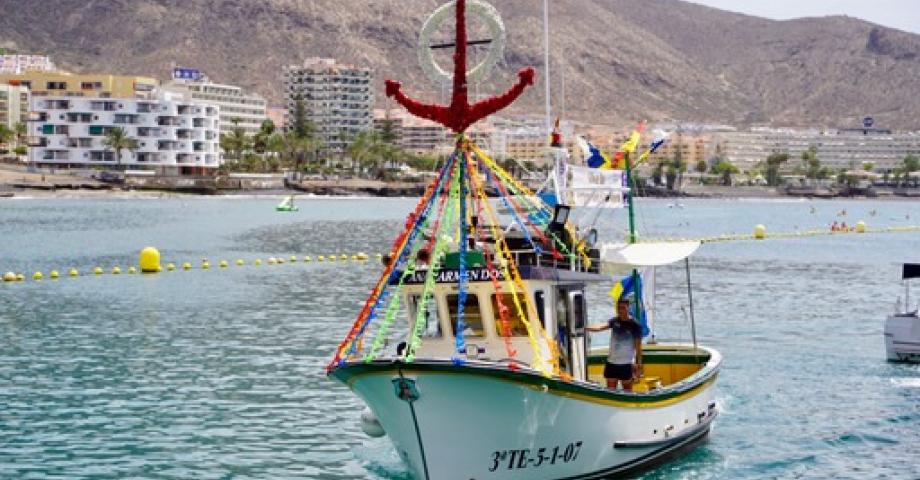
{"points": [[5, 135], [235, 142], [117, 139], [20, 129]]}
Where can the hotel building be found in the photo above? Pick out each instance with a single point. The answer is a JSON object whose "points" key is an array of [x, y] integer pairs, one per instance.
{"points": [[837, 149], [24, 63], [237, 108], [74, 85], [337, 98], [14, 105], [172, 136]]}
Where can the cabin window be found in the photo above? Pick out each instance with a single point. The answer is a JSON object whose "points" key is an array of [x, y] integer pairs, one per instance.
{"points": [[432, 328], [578, 311], [472, 315], [539, 298], [515, 322]]}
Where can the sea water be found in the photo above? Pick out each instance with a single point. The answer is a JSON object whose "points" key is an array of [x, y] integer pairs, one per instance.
{"points": [[219, 373]]}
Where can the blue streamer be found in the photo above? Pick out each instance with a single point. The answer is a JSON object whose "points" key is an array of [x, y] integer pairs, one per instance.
{"points": [[461, 297], [413, 235]]}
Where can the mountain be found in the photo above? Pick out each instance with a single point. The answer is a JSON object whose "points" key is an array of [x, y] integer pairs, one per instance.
{"points": [[622, 59]]}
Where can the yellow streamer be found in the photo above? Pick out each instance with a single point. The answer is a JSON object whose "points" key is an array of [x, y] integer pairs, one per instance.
{"points": [[515, 284]]}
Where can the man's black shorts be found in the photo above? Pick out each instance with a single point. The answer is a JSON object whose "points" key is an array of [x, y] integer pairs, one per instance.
{"points": [[619, 372]]}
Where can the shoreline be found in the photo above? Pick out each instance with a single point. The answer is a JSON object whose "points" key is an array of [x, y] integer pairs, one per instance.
{"points": [[23, 193]]}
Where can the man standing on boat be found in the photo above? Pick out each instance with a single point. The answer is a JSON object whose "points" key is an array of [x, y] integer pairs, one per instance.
{"points": [[624, 360]]}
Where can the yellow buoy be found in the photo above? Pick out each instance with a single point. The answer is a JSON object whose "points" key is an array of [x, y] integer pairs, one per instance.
{"points": [[320, 258], [20, 277], [293, 258], [132, 270], [354, 258], [343, 257], [223, 264], [860, 227], [362, 256], [760, 232], [97, 271], [205, 264], [307, 258], [332, 258], [54, 274], [280, 260], [9, 277], [257, 262], [37, 276], [240, 262], [116, 270], [150, 260], [379, 255], [73, 272], [186, 266], [170, 266]]}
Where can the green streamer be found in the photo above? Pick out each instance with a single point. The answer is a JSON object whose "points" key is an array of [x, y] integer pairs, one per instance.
{"points": [[440, 245]]}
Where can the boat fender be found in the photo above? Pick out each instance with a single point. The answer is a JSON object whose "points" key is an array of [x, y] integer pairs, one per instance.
{"points": [[370, 425]]}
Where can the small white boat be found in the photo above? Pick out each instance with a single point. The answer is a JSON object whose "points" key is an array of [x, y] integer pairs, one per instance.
{"points": [[902, 329]]}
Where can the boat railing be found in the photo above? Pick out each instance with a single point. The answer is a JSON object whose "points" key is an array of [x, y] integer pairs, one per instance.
{"points": [[533, 257]]}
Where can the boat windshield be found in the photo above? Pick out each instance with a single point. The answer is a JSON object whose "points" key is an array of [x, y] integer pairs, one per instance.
{"points": [[432, 328], [472, 315], [515, 323]]}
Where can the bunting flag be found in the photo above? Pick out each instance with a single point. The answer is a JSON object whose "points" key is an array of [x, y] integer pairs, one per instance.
{"points": [[626, 286], [555, 138], [594, 158], [660, 138]]}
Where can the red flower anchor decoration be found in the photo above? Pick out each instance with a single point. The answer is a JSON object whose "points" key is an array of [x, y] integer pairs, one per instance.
{"points": [[459, 115]]}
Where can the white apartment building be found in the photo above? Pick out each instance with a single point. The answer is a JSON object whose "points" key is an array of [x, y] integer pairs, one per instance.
{"points": [[237, 108], [17, 64], [837, 149], [14, 105], [337, 98], [173, 136]]}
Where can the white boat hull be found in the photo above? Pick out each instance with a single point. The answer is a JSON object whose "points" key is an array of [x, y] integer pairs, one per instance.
{"points": [[902, 338], [486, 422]]}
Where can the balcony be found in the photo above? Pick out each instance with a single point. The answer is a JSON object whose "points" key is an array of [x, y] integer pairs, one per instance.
{"points": [[165, 145], [57, 104], [36, 141], [103, 106], [125, 119], [168, 121], [56, 155], [148, 132], [80, 142], [37, 117], [79, 117]]}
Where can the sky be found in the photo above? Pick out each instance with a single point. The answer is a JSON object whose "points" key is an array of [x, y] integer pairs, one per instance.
{"points": [[900, 14]]}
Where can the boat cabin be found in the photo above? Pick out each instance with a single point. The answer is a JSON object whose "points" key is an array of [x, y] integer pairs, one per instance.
{"points": [[557, 293]]}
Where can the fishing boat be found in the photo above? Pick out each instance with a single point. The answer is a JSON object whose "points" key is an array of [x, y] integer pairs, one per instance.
{"points": [[472, 352], [287, 205], [902, 328]]}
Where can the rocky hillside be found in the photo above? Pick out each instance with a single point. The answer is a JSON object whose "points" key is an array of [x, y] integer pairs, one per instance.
{"points": [[622, 59]]}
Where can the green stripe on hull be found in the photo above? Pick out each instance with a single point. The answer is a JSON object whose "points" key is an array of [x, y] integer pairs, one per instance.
{"points": [[348, 372]]}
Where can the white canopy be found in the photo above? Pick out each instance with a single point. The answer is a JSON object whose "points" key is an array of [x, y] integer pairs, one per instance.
{"points": [[646, 254]]}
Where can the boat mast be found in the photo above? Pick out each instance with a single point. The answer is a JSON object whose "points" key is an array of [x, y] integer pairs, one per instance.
{"points": [[546, 82], [632, 231]]}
